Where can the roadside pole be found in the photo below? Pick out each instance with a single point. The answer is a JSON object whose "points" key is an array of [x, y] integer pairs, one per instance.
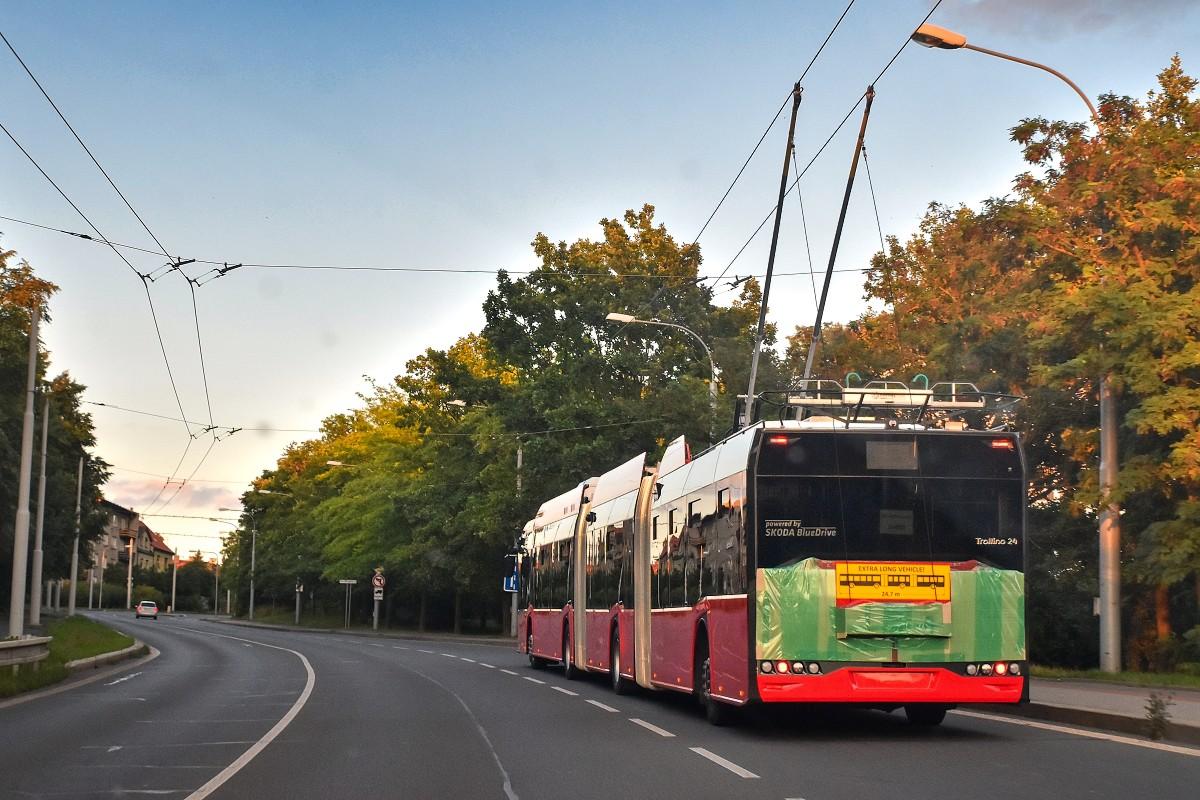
{"points": [[378, 582], [36, 599], [75, 544], [129, 574], [16, 603], [348, 583], [174, 572], [299, 592]]}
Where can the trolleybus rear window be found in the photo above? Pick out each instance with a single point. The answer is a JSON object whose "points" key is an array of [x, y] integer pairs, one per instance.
{"points": [[939, 498]]}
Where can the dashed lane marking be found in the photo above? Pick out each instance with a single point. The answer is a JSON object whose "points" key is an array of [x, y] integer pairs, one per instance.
{"points": [[534, 680], [508, 672], [489, 666], [723, 762], [468, 660], [398, 647], [1108, 737], [565, 691], [600, 705], [426, 651], [449, 655], [122, 680], [652, 728]]}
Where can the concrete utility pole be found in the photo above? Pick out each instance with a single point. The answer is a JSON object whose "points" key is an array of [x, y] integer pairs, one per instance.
{"points": [[75, 544], [16, 602], [174, 573], [1110, 518], [129, 574], [35, 585]]}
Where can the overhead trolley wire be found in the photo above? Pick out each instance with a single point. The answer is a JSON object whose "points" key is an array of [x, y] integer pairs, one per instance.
{"points": [[874, 202], [771, 125], [825, 144], [142, 277], [86, 149], [175, 262]]}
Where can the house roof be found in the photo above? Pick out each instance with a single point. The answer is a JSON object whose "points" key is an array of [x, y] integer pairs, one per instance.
{"points": [[156, 541]]}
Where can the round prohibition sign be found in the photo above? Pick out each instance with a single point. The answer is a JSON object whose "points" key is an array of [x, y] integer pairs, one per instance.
{"points": [[378, 581]]}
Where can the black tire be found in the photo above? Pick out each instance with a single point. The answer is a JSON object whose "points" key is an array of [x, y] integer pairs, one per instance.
{"points": [[534, 661], [716, 712], [570, 671], [620, 684], [925, 715]]}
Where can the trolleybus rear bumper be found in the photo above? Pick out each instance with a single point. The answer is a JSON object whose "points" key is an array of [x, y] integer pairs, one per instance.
{"points": [[889, 686]]}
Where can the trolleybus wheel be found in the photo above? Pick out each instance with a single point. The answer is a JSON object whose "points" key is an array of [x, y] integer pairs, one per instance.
{"points": [[570, 671], [715, 711], [534, 661], [620, 684], [925, 714]]}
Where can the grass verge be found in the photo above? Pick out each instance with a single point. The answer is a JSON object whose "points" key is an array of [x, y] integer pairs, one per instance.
{"points": [[74, 638], [1165, 680]]}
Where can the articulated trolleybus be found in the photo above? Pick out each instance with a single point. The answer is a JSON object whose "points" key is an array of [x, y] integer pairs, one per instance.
{"points": [[867, 547]]}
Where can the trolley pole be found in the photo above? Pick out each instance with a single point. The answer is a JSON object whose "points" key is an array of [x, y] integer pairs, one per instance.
{"points": [[837, 240], [797, 91]]}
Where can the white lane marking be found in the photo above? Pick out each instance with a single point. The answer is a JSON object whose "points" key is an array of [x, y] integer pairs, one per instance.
{"points": [[245, 758], [398, 647], [122, 680], [426, 651], [534, 680], [598, 704], [652, 728], [373, 644], [489, 666], [508, 672], [468, 660], [109, 748], [247, 645], [449, 655], [723, 762], [565, 691], [114, 748], [1108, 737]]}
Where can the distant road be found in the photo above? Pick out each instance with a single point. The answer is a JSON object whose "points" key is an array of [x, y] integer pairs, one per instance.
{"points": [[392, 718]]}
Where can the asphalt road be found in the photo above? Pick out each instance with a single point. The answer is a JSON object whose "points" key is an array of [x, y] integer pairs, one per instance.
{"points": [[392, 718]]}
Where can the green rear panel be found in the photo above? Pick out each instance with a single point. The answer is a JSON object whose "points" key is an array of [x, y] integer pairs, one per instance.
{"points": [[798, 618]]}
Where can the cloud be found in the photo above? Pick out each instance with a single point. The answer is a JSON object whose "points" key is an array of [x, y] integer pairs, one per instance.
{"points": [[1059, 19], [139, 493]]}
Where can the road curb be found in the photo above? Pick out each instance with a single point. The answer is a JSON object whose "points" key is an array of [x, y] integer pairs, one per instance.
{"points": [[1117, 723], [92, 662]]}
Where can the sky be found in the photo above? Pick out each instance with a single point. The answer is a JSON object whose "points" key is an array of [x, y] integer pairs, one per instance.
{"points": [[433, 135]]}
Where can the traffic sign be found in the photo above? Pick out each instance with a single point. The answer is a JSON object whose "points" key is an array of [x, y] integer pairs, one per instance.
{"points": [[511, 583], [378, 581], [378, 594], [348, 581]]}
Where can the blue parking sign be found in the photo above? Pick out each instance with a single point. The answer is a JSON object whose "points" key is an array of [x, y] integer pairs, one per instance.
{"points": [[511, 583]]}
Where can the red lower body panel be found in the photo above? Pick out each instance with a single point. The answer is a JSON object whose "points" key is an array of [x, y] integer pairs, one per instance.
{"points": [[546, 626], [889, 686]]}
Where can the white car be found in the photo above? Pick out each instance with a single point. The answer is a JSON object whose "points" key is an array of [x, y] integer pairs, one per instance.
{"points": [[146, 608]]}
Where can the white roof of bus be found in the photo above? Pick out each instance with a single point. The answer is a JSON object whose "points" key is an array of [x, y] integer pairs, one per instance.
{"points": [[565, 505]]}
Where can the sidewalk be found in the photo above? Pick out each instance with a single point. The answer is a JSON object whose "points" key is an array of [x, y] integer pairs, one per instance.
{"points": [[1114, 707]]}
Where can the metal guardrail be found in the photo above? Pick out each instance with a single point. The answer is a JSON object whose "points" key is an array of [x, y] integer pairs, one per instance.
{"points": [[26, 650]]}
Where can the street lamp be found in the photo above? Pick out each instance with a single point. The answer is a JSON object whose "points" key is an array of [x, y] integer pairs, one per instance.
{"points": [[216, 577], [629, 319], [1110, 519]]}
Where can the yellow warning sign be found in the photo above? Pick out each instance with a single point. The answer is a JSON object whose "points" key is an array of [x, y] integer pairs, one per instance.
{"points": [[892, 580]]}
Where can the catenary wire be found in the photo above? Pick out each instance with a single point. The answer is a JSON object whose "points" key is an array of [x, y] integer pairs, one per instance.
{"points": [[825, 144], [142, 277], [86, 149], [874, 202], [140, 219], [771, 125]]}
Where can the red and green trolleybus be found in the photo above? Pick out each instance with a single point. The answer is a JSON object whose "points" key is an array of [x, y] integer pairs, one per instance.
{"points": [[867, 547]]}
